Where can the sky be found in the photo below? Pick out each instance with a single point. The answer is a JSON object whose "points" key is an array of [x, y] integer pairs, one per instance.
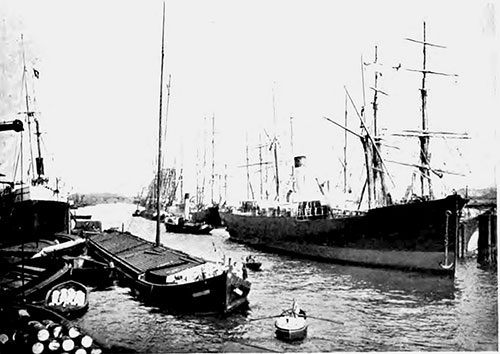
{"points": [[249, 66]]}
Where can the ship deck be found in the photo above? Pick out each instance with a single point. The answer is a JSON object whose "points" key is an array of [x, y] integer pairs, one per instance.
{"points": [[141, 255]]}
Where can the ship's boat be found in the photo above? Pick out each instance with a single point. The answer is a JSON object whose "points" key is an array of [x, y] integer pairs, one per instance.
{"points": [[68, 298], [291, 325], [252, 264], [30, 279]]}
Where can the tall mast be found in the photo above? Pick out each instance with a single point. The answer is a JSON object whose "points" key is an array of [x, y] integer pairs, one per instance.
{"points": [[204, 169], [29, 113], [260, 167], [158, 175], [225, 183], [424, 140], [366, 144], [378, 173], [247, 166], [213, 159], [197, 176], [424, 136], [345, 145], [375, 130], [291, 146], [275, 149]]}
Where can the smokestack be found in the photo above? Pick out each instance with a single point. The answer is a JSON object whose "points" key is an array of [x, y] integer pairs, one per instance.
{"points": [[300, 175], [186, 206]]}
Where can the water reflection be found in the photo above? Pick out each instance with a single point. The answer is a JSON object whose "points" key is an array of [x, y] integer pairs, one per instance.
{"points": [[374, 309]]}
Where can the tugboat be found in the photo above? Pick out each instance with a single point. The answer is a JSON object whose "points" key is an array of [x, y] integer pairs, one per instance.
{"points": [[184, 224]]}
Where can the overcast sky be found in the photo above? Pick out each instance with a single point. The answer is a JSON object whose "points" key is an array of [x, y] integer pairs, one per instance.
{"points": [[100, 63]]}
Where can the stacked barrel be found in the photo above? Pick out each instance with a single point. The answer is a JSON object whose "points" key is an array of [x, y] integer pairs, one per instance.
{"points": [[26, 335]]}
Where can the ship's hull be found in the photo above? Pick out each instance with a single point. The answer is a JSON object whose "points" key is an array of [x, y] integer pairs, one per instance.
{"points": [[189, 228], [209, 215], [32, 220], [418, 236]]}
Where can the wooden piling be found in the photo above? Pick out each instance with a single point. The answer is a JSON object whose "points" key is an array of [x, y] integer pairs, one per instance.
{"points": [[487, 240]]}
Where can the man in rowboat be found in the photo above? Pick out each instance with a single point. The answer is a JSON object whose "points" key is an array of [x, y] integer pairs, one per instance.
{"points": [[296, 310]]}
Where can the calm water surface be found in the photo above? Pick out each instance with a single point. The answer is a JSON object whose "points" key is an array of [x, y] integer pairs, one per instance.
{"points": [[361, 309]]}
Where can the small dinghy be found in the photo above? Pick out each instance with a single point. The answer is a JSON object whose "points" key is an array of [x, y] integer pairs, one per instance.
{"points": [[252, 264], [69, 299], [291, 325]]}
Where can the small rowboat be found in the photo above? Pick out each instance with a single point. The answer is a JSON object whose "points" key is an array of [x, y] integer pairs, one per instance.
{"points": [[290, 326], [252, 264], [69, 299]]}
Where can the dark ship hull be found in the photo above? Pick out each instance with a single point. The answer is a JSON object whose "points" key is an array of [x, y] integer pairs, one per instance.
{"points": [[418, 236], [209, 215], [189, 228], [30, 219]]}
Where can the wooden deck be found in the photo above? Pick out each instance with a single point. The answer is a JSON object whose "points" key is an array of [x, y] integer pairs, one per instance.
{"points": [[142, 255]]}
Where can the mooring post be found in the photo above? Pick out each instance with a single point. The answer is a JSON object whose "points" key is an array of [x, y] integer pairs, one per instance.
{"points": [[486, 243], [493, 237], [463, 246]]}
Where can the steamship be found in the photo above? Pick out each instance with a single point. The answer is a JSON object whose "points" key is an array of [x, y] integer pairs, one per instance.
{"points": [[418, 233], [32, 206]]}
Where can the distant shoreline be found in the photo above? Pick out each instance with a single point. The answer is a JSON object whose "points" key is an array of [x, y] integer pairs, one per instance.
{"points": [[80, 200]]}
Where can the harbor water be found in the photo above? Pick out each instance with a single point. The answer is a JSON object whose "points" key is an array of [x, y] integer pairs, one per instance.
{"points": [[350, 308]]}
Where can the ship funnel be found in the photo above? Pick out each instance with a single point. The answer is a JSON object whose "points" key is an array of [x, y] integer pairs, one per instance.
{"points": [[186, 206], [300, 175]]}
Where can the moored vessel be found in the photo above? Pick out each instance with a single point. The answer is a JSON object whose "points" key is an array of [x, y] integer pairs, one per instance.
{"points": [[69, 298], [160, 275], [418, 232], [172, 279], [32, 204]]}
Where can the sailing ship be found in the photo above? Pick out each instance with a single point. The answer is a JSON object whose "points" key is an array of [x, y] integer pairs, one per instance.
{"points": [[165, 277], [32, 205], [208, 211], [418, 234]]}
